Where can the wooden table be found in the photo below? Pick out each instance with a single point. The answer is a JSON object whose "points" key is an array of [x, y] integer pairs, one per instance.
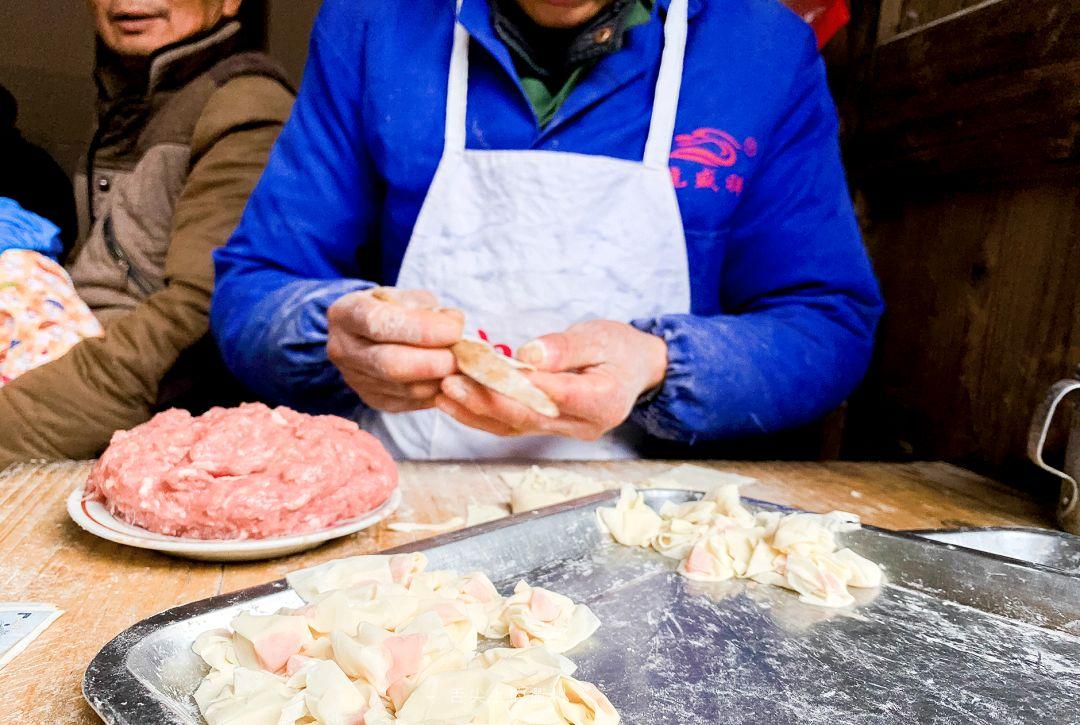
{"points": [[104, 588]]}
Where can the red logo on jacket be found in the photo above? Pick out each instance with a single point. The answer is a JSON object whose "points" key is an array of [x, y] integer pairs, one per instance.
{"points": [[711, 151]]}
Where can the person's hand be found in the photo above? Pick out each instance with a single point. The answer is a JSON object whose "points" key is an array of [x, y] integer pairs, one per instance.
{"points": [[594, 372], [392, 346]]}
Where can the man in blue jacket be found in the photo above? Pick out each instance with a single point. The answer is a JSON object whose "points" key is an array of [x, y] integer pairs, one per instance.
{"points": [[644, 201]]}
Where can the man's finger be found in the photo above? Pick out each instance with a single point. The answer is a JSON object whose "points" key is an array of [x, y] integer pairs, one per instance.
{"points": [[561, 351], [378, 399], [484, 409], [424, 390], [395, 363], [466, 417], [396, 405], [595, 395], [414, 299], [364, 315], [487, 403], [565, 427]]}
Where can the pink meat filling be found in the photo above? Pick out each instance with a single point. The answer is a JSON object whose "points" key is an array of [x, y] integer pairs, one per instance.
{"points": [[544, 606], [406, 653], [238, 473]]}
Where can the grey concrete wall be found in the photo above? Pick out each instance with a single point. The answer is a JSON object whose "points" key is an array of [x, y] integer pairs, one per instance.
{"points": [[288, 28], [46, 54]]}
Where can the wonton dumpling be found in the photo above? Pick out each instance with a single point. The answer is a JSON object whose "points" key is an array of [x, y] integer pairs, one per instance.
{"points": [[331, 697], [581, 703], [388, 606], [364, 656], [433, 663], [533, 670], [631, 522], [272, 638], [864, 573], [803, 534], [709, 561], [382, 641], [216, 649], [437, 653], [295, 712], [741, 543], [818, 580], [763, 564], [677, 537], [320, 648], [729, 504], [340, 574], [484, 604], [449, 616], [253, 697], [531, 709], [468, 696], [539, 487], [405, 567], [692, 512], [537, 616]]}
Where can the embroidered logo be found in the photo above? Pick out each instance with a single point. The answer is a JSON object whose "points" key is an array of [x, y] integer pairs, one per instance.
{"points": [[711, 151], [504, 349]]}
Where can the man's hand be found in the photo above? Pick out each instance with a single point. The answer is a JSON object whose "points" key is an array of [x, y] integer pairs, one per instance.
{"points": [[594, 372], [392, 346]]}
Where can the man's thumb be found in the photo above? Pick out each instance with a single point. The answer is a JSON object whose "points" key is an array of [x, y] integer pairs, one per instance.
{"points": [[559, 352]]}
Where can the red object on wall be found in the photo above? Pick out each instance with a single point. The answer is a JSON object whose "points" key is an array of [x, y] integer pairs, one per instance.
{"points": [[825, 16]]}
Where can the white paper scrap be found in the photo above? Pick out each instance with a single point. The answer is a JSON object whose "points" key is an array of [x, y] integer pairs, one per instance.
{"points": [[482, 513], [688, 477], [20, 624], [409, 527]]}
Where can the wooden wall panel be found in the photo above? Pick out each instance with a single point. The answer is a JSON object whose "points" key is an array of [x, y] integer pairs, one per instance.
{"points": [[983, 296], [963, 143], [905, 15], [994, 92]]}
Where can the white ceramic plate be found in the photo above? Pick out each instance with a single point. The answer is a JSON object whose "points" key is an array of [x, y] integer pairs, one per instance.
{"points": [[95, 518]]}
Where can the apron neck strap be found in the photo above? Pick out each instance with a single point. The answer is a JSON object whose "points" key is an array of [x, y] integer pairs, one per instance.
{"points": [[665, 97], [668, 85], [457, 88]]}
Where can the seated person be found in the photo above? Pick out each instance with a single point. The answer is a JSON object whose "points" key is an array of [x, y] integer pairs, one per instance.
{"points": [[186, 122], [31, 178], [644, 200]]}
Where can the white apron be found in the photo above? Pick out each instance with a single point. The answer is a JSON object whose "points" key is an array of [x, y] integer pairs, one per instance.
{"points": [[530, 242]]}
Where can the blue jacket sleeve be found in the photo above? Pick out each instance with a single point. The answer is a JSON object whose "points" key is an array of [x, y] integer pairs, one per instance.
{"points": [[798, 297], [296, 248], [22, 229]]}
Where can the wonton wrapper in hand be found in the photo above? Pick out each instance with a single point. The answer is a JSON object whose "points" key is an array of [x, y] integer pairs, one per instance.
{"points": [[489, 367], [480, 361]]}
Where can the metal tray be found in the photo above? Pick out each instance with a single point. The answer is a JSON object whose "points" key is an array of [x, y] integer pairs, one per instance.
{"points": [[957, 636], [1053, 549]]}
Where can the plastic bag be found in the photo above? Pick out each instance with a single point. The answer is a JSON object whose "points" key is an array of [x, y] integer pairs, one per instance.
{"points": [[41, 315], [826, 17]]}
